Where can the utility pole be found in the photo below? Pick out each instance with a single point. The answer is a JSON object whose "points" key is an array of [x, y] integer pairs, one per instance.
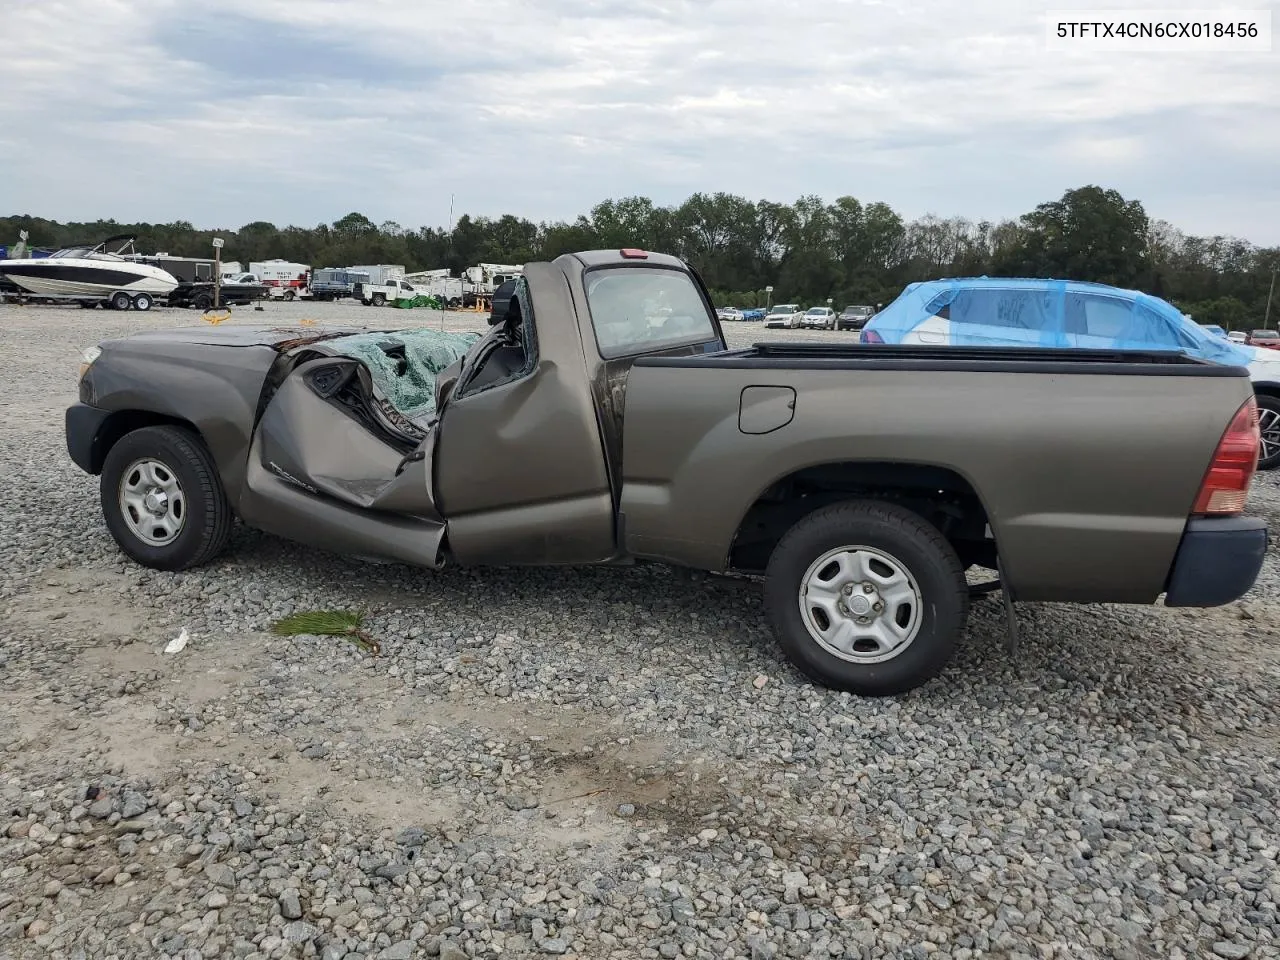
{"points": [[217, 271], [1267, 316]]}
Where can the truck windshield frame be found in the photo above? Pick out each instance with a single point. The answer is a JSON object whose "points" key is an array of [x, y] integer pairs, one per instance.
{"points": [[626, 306]]}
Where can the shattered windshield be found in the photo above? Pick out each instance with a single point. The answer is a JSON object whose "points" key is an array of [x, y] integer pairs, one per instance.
{"points": [[640, 309]]}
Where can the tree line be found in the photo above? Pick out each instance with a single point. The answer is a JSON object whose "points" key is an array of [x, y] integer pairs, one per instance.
{"points": [[808, 251]]}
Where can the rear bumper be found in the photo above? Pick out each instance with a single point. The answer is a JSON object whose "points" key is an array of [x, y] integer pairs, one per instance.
{"points": [[1218, 561], [83, 425]]}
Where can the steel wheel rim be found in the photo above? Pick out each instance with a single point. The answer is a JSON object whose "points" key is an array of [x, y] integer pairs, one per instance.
{"points": [[152, 502], [838, 599], [1269, 430]]}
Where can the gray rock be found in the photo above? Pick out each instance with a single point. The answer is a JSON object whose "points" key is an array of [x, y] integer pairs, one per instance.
{"points": [[298, 932], [221, 875], [404, 950], [1231, 951], [290, 905], [133, 805]]}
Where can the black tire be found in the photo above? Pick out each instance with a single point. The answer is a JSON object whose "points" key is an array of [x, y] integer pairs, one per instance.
{"points": [[120, 301], [289, 295], [207, 516], [1269, 417], [379, 300], [917, 546], [142, 301], [202, 301]]}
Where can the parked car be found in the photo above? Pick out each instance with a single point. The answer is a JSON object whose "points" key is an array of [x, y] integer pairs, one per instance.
{"points": [[1265, 338], [784, 315], [241, 289], [1050, 313], [1081, 477], [1237, 336], [822, 318], [729, 313], [753, 313], [854, 317], [1214, 329]]}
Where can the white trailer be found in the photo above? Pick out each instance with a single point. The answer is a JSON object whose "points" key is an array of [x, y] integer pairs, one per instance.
{"points": [[282, 278]]}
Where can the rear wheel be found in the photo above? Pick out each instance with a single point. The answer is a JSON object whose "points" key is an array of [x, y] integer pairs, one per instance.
{"points": [[120, 301], [1269, 427], [202, 301], [379, 300], [867, 597], [142, 301], [162, 499]]}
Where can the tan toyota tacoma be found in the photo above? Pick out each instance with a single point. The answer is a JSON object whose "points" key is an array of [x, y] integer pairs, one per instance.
{"points": [[602, 419]]}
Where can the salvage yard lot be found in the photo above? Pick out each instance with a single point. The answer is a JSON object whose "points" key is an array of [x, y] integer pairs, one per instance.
{"points": [[598, 762]]}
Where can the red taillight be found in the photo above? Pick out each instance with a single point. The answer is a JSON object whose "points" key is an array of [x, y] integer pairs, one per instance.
{"points": [[870, 336], [1226, 483], [631, 253]]}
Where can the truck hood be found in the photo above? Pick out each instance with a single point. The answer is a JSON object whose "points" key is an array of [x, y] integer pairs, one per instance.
{"points": [[240, 336]]}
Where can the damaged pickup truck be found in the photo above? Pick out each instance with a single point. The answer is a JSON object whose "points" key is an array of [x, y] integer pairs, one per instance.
{"points": [[603, 419]]}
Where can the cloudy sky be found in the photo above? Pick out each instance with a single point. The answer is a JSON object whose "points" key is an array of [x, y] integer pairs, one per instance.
{"points": [[299, 111]]}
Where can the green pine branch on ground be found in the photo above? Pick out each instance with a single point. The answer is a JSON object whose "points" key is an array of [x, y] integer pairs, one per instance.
{"points": [[328, 623]]}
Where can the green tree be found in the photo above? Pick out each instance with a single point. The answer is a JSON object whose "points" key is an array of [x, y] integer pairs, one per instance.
{"points": [[1089, 234]]}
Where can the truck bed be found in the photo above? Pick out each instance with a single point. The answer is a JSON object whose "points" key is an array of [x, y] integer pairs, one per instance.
{"points": [[1006, 359], [1087, 463]]}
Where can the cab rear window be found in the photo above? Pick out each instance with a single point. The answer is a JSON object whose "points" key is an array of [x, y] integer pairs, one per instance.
{"points": [[637, 310]]}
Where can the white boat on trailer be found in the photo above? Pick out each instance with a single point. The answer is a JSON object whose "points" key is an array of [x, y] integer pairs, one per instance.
{"points": [[92, 275]]}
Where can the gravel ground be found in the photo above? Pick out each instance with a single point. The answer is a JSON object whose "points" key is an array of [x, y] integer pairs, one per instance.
{"points": [[600, 763]]}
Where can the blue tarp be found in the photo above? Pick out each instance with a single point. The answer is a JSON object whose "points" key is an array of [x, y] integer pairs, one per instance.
{"points": [[1046, 313]]}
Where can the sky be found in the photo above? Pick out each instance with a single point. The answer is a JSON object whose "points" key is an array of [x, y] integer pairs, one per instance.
{"points": [[301, 111]]}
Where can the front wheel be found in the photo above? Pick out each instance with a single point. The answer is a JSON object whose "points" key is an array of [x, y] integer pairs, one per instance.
{"points": [[142, 301], [1269, 428], [163, 500], [867, 597]]}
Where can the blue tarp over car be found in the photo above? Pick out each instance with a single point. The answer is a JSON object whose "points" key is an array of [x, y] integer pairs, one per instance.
{"points": [[978, 311]]}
